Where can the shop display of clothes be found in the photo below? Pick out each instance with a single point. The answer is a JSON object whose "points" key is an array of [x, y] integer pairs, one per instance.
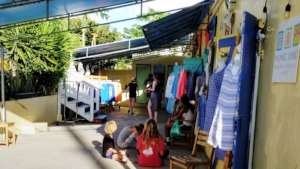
{"points": [[189, 78], [221, 133]]}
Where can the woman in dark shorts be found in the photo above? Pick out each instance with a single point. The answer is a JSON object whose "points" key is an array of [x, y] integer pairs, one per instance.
{"points": [[154, 98], [132, 87]]}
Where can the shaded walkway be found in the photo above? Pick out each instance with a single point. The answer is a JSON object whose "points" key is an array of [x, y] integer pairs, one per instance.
{"points": [[69, 147]]}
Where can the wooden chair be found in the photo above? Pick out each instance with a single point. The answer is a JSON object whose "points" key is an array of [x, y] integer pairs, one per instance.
{"points": [[186, 140], [191, 161], [228, 160]]}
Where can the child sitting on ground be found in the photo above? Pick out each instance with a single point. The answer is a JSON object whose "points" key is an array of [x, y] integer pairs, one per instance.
{"points": [[127, 136], [108, 145]]}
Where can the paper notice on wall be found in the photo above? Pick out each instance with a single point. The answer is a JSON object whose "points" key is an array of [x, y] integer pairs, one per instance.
{"points": [[287, 52]]}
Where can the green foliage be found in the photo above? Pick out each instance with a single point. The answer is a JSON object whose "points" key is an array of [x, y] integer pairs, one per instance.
{"points": [[41, 59], [39, 54], [135, 30], [103, 33], [123, 64], [153, 15]]}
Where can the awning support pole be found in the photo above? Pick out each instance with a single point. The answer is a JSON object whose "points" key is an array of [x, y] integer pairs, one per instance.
{"points": [[3, 112]]}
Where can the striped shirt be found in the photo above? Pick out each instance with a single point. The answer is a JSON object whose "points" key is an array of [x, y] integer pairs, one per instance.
{"points": [[221, 133]]}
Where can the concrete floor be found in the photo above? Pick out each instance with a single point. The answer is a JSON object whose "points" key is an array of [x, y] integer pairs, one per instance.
{"points": [[71, 147]]}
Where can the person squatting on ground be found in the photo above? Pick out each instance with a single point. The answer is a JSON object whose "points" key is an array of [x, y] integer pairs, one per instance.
{"points": [[132, 87], [108, 145], [154, 98], [151, 147], [127, 136]]}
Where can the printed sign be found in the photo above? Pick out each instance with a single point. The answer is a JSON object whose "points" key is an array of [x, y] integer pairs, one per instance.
{"points": [[287, 52]]}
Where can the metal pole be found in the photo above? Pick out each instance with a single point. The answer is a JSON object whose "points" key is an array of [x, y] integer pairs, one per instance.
{"points": [[3, 112]]}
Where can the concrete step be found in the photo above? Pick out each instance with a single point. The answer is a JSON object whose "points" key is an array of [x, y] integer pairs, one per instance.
{"points": [[31, 128]]}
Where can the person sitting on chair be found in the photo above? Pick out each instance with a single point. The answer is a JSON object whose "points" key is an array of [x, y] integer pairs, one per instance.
{"points": [[181, 107]]}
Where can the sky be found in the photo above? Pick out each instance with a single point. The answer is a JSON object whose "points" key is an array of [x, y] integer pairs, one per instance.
{"points": [[133, 11]]}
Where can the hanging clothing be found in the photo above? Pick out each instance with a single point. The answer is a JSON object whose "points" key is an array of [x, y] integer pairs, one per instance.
{"points": [[221, 133], [201, 109], [206, 38], [170, 105], [200, 81], [176, 70], [214, 87], [169, 86], [193, 65], [191, 86], [182, 84]]}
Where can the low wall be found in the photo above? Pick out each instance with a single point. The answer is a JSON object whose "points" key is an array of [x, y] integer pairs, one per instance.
{"points": [[33, 113]]}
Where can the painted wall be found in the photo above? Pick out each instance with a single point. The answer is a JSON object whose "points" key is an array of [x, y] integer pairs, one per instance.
{"points": [[278, 113], [277, 132], [123, 75]]}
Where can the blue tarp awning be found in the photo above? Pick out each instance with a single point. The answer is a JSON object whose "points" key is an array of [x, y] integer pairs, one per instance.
{"points": [[175, 26], [20, 11]]}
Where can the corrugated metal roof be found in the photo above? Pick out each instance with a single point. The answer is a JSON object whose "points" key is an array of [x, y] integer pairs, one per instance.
{"points": [[113, 49], [175, 26], [119, 49]]}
